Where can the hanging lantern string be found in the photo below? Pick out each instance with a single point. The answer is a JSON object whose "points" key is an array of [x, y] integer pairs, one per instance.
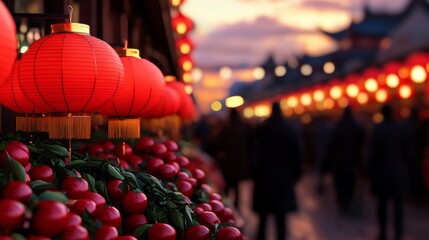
{"points": [[70, 8]]}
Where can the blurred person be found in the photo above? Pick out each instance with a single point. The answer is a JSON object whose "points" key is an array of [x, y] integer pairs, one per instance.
{"points": [[278, 168], [344, 158], [388, 172], [233, 153]]}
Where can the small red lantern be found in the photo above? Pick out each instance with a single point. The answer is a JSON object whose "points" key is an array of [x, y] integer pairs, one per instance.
{"points": [[184, 45], [8, 46], [143, 88], [418, 65], [186, 63], [168, 105], [391, 70], [177, 3], [30, 118], [187, 110], [70, 73], [182, 24]]}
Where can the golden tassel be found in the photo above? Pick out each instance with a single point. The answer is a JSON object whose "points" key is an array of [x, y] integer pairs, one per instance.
{"points": [[32, 123], [123, 128], [70, 126]]}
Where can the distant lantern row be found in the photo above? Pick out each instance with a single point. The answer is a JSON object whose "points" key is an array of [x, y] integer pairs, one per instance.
{"points": [[395, 80]]}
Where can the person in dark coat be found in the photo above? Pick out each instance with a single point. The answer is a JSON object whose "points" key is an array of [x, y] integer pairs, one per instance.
{"points": [[344, 158], [278, 169], [388, 171], [233, 154]]}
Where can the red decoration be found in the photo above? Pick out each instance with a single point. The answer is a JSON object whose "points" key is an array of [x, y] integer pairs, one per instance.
{"points": [[168, 105], [70, 71], [185, 45], [177, 3], [182, 24], [187, 110], [186, 62], [8, 46], [142, 90]]}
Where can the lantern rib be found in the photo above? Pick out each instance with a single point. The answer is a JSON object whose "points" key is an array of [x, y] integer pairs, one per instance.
{"points": [[35, 75], [62, 75], [147, 102], [134, 88], [96, 73]]}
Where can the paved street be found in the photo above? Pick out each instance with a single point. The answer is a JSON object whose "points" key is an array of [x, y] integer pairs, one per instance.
{"points": [[318, 218]]}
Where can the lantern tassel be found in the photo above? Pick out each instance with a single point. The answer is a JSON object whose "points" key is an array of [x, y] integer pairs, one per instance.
{"points": [[70, 126], [124, 128], [32, 123]]}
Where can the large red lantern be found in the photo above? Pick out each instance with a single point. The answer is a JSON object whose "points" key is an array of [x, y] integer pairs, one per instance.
{"points": [[143, 88], [182, 24], [168, 105], [187, 109], [70, 73], [8, 46], [30, 118]]}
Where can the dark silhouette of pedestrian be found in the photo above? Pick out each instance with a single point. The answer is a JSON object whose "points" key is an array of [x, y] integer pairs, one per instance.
{"points": [[233, 153], [278, 168], [387, 171], [344, 158]]}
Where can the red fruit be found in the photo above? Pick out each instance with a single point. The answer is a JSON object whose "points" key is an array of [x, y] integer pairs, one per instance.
{"points": [[205, 206], [107, 156], [114, 190], [18, 151], [134, 203], [73, 220], [97, 198], [192, 181], [18, 191], [206, 187], [145, 144], [134, 221], [108, 146], [126, 237], [153, 164], [229, 233], [208, 219], [182, 161], [159, 150], [76, 233], [167, 171], [182, 176], [106, 232], [95, 149], [226, 214], [33, 237], [109, 216], [74, 186], [198, 210], [135, 161], [161, 231], [12, 214], [83, 204], [124, 164], [43, 172], [198, 232], [215, 196], [120, 148], [217, 206], [171, 145], [28, 167], [50, 218], [170, 156], [198, 174], [185, 187], [176, 165]]}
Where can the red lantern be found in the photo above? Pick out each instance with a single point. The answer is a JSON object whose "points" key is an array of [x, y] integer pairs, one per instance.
{"points": [[30, 118], [8, 46], [187, 109], [186, 63], [176, 3], [70, 73], [418, 65], [184, 45], [182, 24], [168, 105], [391, 70], [143, 88]]}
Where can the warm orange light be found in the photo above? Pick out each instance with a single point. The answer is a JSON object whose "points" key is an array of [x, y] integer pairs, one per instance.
{"points": [[292, 101], [305, 99], [318, 95], [299, 110], [306, 118], [371, 85], [404, 72], [352, 90], [405, 92], [343, 102], [377, 118], [328, 103], [335, 92], [320, 106], [187, 77], [185, 48], [181, 28], [381, 96], [187, 65], [392, 80], [362, 98], [418, 74], [288, 112]]}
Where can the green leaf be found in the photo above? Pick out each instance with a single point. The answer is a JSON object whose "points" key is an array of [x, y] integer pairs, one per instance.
{"points": [[140, 232], [91, 181], [16, 169], [56, 149], [114, 173], [51, 195], [18, 236]]}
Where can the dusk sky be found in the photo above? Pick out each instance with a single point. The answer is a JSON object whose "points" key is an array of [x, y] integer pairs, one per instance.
{"points": [[241, 34]]}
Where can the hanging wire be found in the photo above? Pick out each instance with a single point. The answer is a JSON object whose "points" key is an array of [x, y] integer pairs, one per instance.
{"points": [[70, 8]]}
